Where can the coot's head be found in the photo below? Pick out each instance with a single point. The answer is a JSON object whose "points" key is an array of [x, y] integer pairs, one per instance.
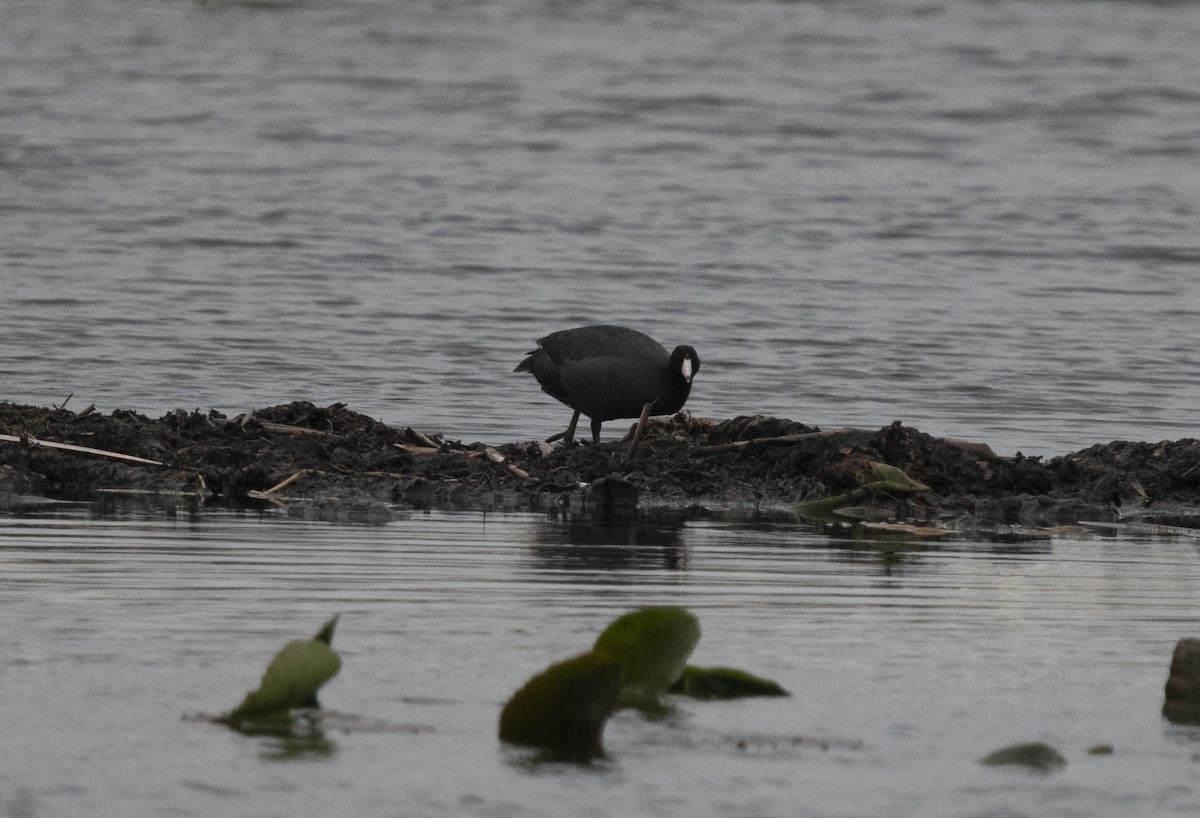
{"points": [[685, 363]]}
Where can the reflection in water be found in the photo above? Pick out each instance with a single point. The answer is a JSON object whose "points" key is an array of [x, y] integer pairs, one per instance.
{"points": [[113, 504], [289, 748], [299, 736], [641, 543], [897, 554], [298, 733]]}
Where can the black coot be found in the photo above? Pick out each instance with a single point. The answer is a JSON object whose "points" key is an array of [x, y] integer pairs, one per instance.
{"points": [[608, 372]]}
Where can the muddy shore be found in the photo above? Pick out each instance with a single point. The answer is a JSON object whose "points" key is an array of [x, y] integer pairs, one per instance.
{"points": [[332, 463]]}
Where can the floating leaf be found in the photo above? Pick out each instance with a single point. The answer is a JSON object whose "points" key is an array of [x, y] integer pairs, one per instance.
{"points": [[724, 683], [1036, 755], [563, 709], [653, 646], [293, 678]]}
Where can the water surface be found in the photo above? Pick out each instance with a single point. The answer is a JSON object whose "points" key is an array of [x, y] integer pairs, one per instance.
{"points": [[979, 218], [976, 217], [910, 663]]}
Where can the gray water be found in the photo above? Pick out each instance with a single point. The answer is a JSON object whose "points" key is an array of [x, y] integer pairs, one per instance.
{"points": [[979, 218], [905, 666]]}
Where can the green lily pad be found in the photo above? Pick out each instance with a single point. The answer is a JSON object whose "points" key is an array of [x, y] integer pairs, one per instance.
{"points": [[724, 683], [293, 678], [563, 709], [1036, 755], [653, 646]]}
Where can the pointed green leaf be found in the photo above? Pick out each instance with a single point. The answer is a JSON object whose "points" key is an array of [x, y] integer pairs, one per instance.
{"points": [[326, 633], [292, 679], [564, 708], [653, 645], [724, 683]]}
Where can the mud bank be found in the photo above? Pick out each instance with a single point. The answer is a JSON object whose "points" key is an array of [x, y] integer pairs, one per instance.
{"points": [[332, 463]]}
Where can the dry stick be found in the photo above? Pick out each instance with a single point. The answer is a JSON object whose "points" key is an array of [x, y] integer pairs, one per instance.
{"points": [[287, 482], [151, 492], [780, 440], [496, 457], [424, 440], [411, 449], [71, 447], [639, 431], [971, 447], [269, 494], [291, 430]]}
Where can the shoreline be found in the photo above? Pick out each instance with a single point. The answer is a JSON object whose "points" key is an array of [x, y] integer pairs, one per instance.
{"points": [[331, 463]]}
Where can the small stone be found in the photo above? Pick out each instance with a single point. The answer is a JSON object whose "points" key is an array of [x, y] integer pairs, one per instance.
{"points": [[1036, 755]]}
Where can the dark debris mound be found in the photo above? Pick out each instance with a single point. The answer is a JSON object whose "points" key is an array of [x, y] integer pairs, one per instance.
{"points": [[333, 457]]}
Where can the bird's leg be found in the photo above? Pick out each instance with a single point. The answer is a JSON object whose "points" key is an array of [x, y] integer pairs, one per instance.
{"points": [[639, 431], [595, 430], [569, 434]]}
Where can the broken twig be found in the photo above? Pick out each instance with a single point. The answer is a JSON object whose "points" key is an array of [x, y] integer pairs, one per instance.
{"points": [[412, 449], [150, 492], [71, 447], [779, 440], [420, 439], [291, 430], [496, 457], [285, 483]]}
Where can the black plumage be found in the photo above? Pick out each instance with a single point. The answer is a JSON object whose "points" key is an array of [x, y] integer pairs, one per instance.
{"points": [[608, 372]]}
